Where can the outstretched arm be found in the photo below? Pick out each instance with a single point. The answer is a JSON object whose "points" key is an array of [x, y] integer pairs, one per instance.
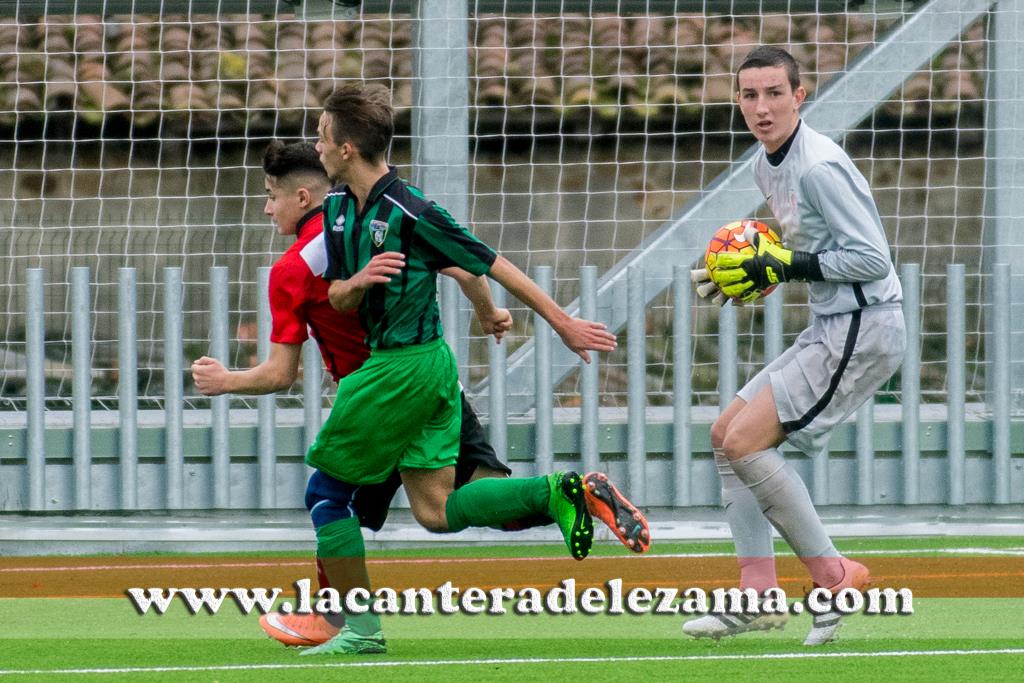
{"points": [[577, 334], [277, 372], [493, 320]]}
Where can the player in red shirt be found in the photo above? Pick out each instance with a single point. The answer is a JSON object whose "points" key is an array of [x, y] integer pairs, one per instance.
{"points": [[296, 183]]}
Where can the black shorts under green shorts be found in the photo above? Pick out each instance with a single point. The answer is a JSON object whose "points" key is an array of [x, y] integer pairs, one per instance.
{"points": [[401, 408]]}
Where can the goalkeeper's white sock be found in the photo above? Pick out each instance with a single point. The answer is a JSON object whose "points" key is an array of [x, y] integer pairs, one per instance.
{"points": [[751, 530], [785, 501]]}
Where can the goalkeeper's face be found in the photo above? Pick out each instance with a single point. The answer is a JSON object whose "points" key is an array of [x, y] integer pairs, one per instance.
{"points": [[770, 105]]}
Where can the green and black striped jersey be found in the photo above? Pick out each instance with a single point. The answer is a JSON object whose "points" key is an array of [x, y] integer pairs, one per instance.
{"points": [[397, 217]]}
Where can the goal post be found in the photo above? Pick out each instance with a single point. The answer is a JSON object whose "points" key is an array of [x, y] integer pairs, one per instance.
{"points": [[1004, 149]]}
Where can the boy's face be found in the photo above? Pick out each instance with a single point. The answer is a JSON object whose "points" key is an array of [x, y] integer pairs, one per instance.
{"points": [[770, 106], [286, 204], [333, 156]]}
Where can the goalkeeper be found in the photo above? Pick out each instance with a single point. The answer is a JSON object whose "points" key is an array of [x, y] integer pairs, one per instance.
{"points": [[834, 240]]}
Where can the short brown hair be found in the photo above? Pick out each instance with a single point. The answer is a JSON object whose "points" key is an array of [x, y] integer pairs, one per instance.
{"points": [[769, 55], [361, 113]]}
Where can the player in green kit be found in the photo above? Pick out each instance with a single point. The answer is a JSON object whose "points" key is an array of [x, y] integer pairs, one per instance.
{"points": [[385, 244]]}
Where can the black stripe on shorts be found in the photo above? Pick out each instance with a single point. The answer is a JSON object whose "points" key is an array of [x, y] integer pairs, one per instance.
{"points": [[851, 342]]}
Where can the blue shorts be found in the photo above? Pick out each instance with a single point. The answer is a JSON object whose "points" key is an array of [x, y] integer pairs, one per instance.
{"points": [[329, 500]]}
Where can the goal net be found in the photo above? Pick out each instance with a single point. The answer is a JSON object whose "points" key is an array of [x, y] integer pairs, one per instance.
{"points": [[136, 141]]}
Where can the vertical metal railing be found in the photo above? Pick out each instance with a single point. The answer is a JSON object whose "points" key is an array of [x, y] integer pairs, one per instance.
{"points": [[544, 455], [955, 381], [773, 327], [220, 430], [636, 352], [682, 387], [81, 386], [312, 398], [590, 400], [865, 454], [128, 388], [1001, 359], [35, 390], [961, 481], [266, 456], [727, 371], [820, 467], [498, 429], [312, 381], [910, 384], [174, 453]]}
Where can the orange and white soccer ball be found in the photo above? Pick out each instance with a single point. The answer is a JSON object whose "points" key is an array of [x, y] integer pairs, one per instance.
{"points": [[738, 237]]}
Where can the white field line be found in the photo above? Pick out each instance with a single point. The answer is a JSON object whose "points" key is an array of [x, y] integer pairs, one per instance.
{"points": [[492, 662], [476, 560]]}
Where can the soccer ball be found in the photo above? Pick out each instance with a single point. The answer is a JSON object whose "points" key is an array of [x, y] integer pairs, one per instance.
{"points": [[738, 236]]}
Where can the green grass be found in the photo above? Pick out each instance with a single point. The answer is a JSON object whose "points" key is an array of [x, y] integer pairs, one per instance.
{"points": [[55, 636], [52, 635]]}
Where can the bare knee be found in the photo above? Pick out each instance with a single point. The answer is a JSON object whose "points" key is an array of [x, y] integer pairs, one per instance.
{"points": [[432, 518], [428, 492], [719, 430], [734, 445], [748, 427], [485, 472], [741, 439]]}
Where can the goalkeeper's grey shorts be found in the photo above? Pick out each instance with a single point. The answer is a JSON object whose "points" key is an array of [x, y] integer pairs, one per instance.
{"points": [[832, 368]]}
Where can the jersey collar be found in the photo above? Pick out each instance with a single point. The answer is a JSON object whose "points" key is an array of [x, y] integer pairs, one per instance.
{"points": [[779, 155], [378, 188], [310, 221]]}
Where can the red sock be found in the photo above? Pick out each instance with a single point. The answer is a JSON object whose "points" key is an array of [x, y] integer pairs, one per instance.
{"points": [[321, 576], [758, 573]]}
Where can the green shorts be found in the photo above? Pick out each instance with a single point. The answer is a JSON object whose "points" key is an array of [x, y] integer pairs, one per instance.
{"points": [[402, 407]]}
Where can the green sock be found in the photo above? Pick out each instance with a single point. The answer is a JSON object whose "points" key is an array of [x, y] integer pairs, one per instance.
{"points": [[367, 624], [339, 545], [341, 539], [493, 501]]}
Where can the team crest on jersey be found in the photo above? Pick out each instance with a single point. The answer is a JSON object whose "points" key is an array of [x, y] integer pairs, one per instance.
{"points": [[378, 232], [339, 223]]}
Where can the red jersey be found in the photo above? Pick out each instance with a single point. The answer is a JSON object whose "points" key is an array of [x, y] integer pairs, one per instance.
{"points": [[299, 306]]}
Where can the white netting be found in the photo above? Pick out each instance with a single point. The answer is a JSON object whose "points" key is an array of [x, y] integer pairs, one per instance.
{"points": [[137, 142]]}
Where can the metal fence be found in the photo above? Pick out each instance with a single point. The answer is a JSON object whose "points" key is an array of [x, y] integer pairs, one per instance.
{"points": [[242, 458]]}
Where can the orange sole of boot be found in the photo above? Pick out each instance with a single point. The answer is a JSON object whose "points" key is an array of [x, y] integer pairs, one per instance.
{"points": [[608, 504]]}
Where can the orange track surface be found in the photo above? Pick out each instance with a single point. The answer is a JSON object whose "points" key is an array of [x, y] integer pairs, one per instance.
{"points": [[109, 576]]}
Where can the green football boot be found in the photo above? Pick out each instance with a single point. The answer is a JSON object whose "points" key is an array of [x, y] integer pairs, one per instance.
{"points": [[567, 505], [348, 642]]}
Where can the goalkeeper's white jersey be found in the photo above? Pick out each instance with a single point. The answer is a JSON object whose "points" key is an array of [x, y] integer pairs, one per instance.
{"points": [[823, 205]]}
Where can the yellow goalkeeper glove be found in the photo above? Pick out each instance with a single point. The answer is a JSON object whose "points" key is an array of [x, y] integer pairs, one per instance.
{"points": [[745, 276]]}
